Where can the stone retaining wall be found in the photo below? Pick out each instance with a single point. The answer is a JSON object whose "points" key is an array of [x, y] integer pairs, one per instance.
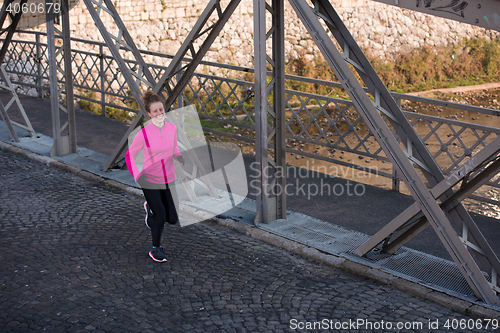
{"points": [[383, 30]]}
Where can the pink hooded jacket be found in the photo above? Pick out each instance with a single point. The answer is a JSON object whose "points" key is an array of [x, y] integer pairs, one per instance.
{"points": [[159, 147]]}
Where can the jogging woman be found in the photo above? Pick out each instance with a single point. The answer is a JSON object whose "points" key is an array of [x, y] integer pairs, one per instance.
{"points": [[157, 141]]}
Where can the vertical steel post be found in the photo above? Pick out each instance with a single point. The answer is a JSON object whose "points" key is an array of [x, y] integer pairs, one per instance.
{"points": [[103, 80], [260, 62], [396, 183], [68, 76], [62, 144], [51, 53], [279, 106], [38, 61], [270, 102]]}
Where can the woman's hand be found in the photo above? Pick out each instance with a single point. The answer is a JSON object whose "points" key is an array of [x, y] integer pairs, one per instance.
{"points": [[180, 158]]}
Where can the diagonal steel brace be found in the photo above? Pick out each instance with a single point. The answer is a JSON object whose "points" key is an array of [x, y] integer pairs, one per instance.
{"points": [[114, 43], [402, 160], [4, 77], [414, 212]]}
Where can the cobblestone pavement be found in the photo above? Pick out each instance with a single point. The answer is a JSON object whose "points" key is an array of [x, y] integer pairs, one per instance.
{"points": [[74, 258]]}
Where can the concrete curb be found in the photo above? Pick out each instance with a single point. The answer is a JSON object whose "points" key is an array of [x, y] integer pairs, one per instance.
{"points": [[454, 303]]}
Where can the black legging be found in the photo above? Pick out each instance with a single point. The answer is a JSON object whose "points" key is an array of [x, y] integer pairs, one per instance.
{"points": [[162, 205]]}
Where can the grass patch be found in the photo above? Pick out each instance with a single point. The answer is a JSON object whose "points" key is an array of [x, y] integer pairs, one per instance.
{"points": [[472, 61], [111, 112]]}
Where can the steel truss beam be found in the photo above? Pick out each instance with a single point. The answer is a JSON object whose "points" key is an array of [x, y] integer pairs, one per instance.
{"points": [[14, 19], [471, 176], [5, 82], [184, 73], [482, 13], [202, 27], [123, 41], [135, 78], [404, 159], [271, 199], [63, 144]]}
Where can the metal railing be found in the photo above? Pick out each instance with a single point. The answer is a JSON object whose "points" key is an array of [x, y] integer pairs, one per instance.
{"points": [[319, 127]]}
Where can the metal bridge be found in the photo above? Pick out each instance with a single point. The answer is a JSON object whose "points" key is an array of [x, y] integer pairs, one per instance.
{"points": [[438, 190]]}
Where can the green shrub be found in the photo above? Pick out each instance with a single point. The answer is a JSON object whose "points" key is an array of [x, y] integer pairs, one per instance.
{"points": [[473, 61]]}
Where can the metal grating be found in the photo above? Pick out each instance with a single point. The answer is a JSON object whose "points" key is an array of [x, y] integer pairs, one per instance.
{"points": [[424, 268]]}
